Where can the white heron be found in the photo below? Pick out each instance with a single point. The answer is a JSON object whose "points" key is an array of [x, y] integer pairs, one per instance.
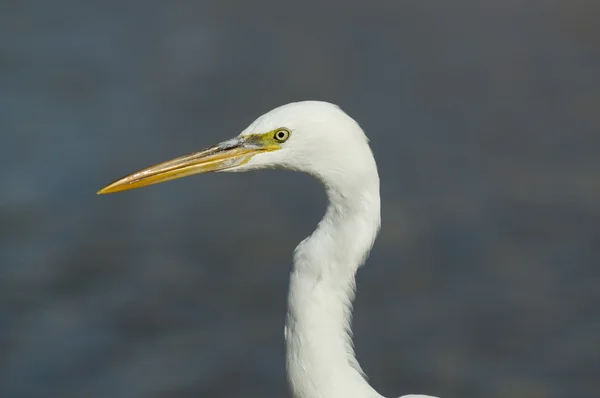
{"points": [[320, 139]]}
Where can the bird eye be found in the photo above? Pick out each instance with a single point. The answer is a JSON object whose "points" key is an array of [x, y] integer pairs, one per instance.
{"points": [[282, 135]]}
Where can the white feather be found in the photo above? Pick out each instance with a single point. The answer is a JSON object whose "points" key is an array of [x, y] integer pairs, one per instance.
{"points": [[331, 146]]}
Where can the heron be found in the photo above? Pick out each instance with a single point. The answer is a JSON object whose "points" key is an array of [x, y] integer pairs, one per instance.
{"points": [[321, 139]]}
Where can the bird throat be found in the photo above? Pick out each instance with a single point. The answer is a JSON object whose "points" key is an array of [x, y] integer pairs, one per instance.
{"points": [[320, 357]]}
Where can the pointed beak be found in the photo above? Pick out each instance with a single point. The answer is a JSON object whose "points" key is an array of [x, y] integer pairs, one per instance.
{"points": [[226, 155]]}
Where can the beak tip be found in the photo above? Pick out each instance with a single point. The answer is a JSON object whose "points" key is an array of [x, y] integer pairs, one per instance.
{"points": [[106, 190]]}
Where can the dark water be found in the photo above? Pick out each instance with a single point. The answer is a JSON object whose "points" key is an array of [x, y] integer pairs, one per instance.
{"points": [[484, 117]]}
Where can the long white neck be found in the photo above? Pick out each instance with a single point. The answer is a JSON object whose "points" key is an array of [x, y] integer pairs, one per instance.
{"points": [[320, 358]]}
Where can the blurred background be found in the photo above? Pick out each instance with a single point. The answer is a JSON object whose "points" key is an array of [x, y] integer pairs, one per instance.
{"points": [[484, 119]]}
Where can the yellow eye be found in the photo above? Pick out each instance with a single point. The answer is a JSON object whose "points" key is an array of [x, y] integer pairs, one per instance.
{"points": [[281, 135]]}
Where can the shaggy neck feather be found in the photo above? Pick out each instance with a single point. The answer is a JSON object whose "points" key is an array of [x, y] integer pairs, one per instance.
{"points": [[320, 356]]}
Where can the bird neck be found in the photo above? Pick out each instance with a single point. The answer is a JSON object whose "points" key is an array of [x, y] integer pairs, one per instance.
{"points": [[320, 357]]}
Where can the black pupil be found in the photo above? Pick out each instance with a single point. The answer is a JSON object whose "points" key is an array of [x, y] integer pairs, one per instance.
{"points": [[281, 135]]}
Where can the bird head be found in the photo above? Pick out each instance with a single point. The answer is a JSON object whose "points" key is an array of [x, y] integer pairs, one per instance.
{"points": [[310, 136]]}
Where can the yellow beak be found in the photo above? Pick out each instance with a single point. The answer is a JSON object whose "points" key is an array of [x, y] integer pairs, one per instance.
{"points": [[223, 156]]}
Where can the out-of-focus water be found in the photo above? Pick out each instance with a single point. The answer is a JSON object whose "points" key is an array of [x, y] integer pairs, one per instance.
{"points": [[485, 281]]}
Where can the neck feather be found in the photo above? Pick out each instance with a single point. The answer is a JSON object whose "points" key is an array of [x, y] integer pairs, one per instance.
{"points": [[320, 357]]}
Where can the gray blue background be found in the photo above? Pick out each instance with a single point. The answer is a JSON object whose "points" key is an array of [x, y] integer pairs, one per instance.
{"points": [[484, 119]]}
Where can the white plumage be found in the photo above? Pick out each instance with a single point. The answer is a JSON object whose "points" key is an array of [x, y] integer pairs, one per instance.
{"points": [[320, 139]]}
